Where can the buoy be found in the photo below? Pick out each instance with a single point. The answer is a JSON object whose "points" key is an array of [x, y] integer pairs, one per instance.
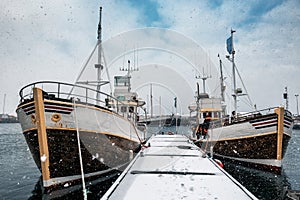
{"points": [[219, 163]]}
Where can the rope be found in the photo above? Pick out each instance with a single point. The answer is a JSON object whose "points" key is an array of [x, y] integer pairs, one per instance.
{"points": [[79, 151]]}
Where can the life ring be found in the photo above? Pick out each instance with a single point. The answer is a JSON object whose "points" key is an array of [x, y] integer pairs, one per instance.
{"points": [[56, 117]]}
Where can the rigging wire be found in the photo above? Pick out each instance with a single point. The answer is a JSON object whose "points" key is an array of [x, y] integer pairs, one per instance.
{"points": [[250, 103], [244, 87], [79, 151], [83, 68], [107, 72]]}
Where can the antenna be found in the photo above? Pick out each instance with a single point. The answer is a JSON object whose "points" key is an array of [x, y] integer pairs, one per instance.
{"points": [[129, 69], [204, 78]]}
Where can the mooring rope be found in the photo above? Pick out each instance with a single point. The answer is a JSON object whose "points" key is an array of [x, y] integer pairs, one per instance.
{"points": [[79, 151]]}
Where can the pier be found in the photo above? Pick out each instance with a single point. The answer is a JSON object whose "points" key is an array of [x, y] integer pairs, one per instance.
{"points": [[172, 167]]}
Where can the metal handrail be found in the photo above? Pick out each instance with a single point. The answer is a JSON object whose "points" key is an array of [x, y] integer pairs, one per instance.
{"points": [[86, 95], [245, 116], [60, 92]]}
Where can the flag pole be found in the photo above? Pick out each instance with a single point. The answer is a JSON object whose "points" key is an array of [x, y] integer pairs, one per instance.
{"points": [[233, 74]]}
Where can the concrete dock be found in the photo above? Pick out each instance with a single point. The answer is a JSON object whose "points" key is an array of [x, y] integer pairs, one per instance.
{"points": [[172, 167]]}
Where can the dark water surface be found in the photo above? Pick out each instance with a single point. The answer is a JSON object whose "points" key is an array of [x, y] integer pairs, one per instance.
{"points": [[19, 176]]}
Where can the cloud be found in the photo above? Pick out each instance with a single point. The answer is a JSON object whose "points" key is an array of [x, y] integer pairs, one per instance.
{"points": [[266, 41], [50, 40]]}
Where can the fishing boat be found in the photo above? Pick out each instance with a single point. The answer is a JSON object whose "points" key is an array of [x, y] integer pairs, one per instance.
{"points": [[296, 117], [76, 132], [256, 139], [296, 125], [6, 118], [296, 120], [160, 121]]}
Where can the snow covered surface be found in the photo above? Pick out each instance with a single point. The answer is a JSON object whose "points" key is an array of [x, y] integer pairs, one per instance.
{"points": [[173, 168]]}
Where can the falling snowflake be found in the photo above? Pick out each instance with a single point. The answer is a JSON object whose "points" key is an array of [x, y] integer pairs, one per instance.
{"points": [[43, 158], [95, 156]]}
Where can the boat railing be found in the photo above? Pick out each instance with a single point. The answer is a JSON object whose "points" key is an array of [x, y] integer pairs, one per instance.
{"points": [[265, 111], [249, 115], [69, 93], [241, 117]]}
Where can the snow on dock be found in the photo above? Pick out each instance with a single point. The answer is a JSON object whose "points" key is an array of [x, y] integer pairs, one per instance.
{"points": [[172, 167]]}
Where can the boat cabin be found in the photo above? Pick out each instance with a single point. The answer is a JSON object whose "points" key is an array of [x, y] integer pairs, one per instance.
{"points": [[129, 100], [208, 107]]}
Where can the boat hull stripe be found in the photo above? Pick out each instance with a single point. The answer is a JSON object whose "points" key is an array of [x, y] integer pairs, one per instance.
{"points": [[50, 107]]}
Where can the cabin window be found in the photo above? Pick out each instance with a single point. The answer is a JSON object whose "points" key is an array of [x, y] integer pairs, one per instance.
{"points": [[123, 109], [121, 98], [121, 81], [206, 114], [216, 115], [131, 109]]}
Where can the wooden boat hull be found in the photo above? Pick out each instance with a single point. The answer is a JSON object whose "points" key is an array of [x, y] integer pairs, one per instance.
{"points": [[108, 140], [113, 155], [257, 151], [255, 142]]}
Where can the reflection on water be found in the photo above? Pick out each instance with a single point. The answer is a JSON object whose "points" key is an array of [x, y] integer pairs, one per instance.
{"points": [[184, 130], [264, 185], [20, 175], [95, 190]]}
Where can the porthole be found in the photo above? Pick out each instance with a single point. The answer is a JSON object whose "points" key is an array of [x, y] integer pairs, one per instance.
{"points": [[56, 117]]}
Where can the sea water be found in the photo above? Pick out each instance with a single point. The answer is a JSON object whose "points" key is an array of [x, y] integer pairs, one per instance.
{"points": [[267, 185], [19, 176]]}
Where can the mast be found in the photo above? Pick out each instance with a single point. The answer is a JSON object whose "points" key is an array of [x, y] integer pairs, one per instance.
{"points": [[222, 80], [198, 98], [99, 66], [296, 95], [231, 51], [4, 103], [160, 111], [129, 76], [151, 100], [285, 96], [233, 75]]}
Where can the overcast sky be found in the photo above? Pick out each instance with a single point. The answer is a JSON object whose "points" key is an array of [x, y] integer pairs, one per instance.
{"points": [[51, 40]]}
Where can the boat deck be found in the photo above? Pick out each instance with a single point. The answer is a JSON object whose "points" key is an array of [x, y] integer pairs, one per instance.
{"points": [[172, 167]]}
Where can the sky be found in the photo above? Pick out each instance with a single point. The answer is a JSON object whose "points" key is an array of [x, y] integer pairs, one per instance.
{"points": [[168, 39]]}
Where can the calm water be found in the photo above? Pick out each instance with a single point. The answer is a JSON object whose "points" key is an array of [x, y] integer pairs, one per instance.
{"points": [[267, 185], [19, 176]]}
